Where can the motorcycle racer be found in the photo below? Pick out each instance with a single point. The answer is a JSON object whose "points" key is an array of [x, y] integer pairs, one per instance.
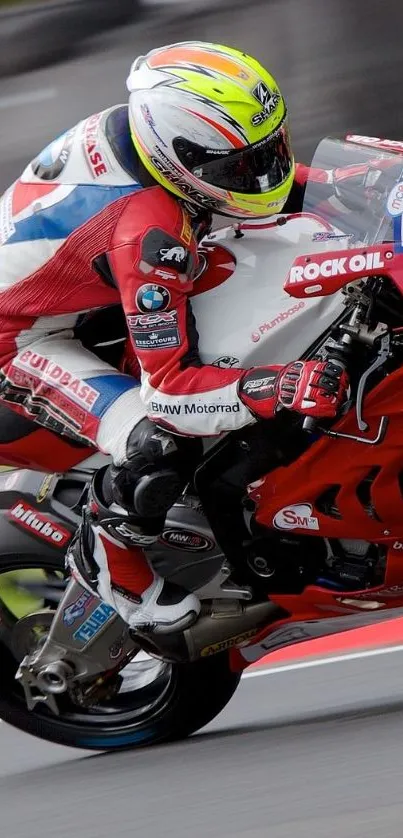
{"points": [[111, 213]]}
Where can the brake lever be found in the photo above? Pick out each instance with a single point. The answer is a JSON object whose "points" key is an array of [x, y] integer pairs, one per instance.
{"points": [[382, 356]]}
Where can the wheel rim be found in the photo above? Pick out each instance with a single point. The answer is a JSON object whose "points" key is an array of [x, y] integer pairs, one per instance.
{"points": [[147, 683]]}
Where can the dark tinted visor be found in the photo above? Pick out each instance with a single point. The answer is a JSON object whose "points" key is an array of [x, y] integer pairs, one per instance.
{"points": [[255, 169]]}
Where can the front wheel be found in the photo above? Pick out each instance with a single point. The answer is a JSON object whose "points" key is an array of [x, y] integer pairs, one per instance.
{"points": [[156, 702]]}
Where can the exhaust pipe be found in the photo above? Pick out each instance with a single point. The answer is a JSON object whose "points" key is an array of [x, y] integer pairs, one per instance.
{"points": [[225, 625]]}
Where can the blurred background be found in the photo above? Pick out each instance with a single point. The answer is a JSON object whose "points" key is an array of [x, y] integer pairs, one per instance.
{"points": [[339, 62]]}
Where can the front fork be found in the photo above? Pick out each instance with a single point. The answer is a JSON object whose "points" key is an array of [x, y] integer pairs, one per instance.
{"points": [[86, 646]]}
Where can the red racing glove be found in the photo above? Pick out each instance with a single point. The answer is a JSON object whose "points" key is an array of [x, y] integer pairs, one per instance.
{"points": [[313, 388]]}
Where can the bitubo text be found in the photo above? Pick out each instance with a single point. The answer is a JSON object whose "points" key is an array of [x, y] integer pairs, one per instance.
{"points": [[34, 521], [337, 267]]}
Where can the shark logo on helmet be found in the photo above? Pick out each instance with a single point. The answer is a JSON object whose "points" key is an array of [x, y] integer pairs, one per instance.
{"points": [[268, 99]]}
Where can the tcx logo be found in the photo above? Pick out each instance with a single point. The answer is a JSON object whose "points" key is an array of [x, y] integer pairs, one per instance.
{"points": [[152, 320], [337, 267]]}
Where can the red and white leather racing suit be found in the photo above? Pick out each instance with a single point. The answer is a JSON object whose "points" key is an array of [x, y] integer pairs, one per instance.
{"points": [[79, 232], [84, 228]]}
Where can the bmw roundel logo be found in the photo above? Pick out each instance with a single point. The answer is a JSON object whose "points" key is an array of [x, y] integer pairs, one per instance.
{"points": [[152, 298]]}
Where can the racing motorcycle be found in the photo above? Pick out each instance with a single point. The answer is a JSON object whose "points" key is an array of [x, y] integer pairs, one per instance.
{"points": [[290, 529]]}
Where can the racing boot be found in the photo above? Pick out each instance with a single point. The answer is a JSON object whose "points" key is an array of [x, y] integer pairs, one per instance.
{"points": [[107, 558]]}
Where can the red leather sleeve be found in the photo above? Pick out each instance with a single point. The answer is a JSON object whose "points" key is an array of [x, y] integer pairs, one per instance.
{"points": [[153, 257]]}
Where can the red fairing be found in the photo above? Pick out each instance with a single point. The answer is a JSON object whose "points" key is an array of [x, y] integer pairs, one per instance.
{"points": [[322, 274], [363, 484], [290, 497]]}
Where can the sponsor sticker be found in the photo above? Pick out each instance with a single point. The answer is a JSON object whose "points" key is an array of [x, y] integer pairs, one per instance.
{"points": [[92, 147], [395, 200], [145, 322], [57, 376], [192, 542], [174, 255], [297, 516], [52, 160], [229, 643], [77, 608], [152, 297], [158, 331], [158, 339], [94, 623], [38, 524], [271, 324], [337, 267], [167, 253]]}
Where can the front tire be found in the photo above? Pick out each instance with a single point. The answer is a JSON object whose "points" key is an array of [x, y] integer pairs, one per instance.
{"points": [[196, 694], [158, 702]]}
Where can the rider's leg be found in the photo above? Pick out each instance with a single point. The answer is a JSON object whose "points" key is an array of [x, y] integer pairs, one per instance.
{"points": [[125, 514], [69, 390]]}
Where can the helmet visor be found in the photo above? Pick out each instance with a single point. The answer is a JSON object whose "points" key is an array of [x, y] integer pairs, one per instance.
{"points": [[253, 170]]}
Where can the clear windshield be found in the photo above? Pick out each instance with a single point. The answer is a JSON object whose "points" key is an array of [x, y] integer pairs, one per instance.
{"points": [[369, 206]]}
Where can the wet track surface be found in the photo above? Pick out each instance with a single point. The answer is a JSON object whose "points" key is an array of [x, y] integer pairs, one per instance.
{"points": [[306, 753], [310, 753]]}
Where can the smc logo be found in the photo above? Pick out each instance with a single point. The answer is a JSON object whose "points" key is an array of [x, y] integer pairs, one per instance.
{"points": [[296, 517]]}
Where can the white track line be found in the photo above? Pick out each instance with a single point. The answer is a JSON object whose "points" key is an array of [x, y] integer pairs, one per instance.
{"points": [[310, 664]]}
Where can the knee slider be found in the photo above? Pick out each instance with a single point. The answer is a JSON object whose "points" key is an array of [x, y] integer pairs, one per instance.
{"points": [[156, 471]]}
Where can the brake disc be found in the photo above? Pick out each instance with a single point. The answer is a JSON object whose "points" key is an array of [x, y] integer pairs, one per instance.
{"points": [[30, 632]]}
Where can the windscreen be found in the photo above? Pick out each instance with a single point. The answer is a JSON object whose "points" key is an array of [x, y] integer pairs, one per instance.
{"points": [[367, 205]]}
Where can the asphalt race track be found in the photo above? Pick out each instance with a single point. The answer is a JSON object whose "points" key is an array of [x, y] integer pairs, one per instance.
{"points": [[305, 753], [308, 753]]}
